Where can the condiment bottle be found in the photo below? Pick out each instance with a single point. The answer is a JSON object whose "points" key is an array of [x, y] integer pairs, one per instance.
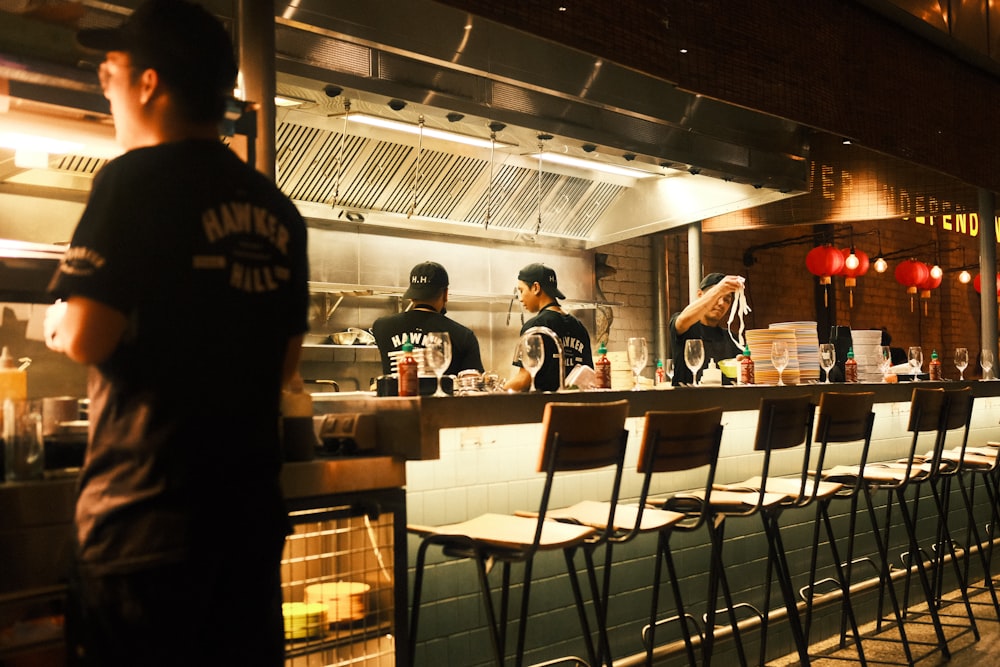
{"points": [[934, 370], [746, 367], [409, 382], [661, 375], [602, 368], [850, 367], [13, 378], [712, 375]]}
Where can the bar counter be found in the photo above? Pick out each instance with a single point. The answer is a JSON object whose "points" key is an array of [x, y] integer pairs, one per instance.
{"points": [[473, 454], [401, 419]]}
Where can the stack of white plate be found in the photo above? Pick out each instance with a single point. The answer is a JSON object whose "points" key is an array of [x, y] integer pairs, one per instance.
{"points": [[759, 341], [344, 601], [304, 620], [807, 344], [418, 356], [867, 346]]}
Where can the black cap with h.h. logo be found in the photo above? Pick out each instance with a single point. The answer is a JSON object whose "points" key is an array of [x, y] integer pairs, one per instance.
{"points": [[427, 279]]}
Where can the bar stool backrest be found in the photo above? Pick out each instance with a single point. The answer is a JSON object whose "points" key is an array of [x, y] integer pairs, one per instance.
{"points": [[676, 442], [957, 414], [784, 423], [582, 436], [845, 417], [927, 410]]}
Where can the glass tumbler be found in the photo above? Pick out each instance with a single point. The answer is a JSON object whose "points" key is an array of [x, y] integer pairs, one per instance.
{"points": [[24, 445]]}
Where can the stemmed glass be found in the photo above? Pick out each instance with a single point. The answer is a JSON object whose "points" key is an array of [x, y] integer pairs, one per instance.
{"points": [[694, 357], [437, 355], [827, 358], [915, 356], [637, 354], [532, 355], [961, 361], [885, 360], [668, 368], [779, 357], [986, 361]]}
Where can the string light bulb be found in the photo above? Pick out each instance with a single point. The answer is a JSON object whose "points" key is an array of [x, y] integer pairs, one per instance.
{"points": [[880, 264], [964, 277], [851, 261], [936, 272]]}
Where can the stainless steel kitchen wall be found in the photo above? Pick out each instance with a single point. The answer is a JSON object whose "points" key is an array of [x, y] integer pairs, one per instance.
{"points": [[359, 274]]}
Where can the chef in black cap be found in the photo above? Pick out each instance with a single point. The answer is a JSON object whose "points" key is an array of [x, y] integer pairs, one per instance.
{"points": [[705, 318], [538, 291]]}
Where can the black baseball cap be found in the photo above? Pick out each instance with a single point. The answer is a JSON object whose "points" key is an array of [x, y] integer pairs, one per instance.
{"points": [[544, 276], [711, 279], [187, 46], [427, 279]]}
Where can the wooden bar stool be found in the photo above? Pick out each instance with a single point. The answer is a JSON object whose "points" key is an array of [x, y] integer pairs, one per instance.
{"points": [[674, 442], [783, 423], [842, 418], [967, 466], [576, 437], [932, 411]]}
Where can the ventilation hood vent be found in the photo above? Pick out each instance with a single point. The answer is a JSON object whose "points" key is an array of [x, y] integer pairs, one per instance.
{"points": [[697, 157]]}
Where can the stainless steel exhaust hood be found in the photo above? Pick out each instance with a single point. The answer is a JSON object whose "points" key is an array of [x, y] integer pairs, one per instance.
{"points": [[453, 71]]}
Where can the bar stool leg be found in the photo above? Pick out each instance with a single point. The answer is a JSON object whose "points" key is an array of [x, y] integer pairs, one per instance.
{"points": [[777, 554], [847, 609], [663, 555], [717, 575], [972, 533], [908, 523]]}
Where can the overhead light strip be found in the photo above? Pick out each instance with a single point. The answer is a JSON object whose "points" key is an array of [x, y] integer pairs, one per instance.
{"points": [[594, 165], [431, 132]]}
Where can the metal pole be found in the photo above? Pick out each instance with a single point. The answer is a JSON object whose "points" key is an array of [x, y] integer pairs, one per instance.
{"points": [[659, 262], [988, 271], [694, 260], [255, 29]]}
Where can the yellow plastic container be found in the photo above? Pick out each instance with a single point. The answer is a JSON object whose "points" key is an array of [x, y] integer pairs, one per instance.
{"points": [[13, 379]]}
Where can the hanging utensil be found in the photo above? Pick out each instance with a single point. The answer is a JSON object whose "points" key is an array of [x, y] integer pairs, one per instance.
{"points": [[418, 166]]}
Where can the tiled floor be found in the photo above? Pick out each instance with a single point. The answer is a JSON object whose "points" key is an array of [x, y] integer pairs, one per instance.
{"points": [[965, 650]]}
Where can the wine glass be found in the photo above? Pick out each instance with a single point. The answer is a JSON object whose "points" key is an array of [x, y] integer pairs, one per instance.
{"points": [[637, 353], [986, 361], [885, 360], [668, 368], [915, 355], [827, 359], [961, 361], [694, 357], [532, 355], [437, 355], [779, 357]]}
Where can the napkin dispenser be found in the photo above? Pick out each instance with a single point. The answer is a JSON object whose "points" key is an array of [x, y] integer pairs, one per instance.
{"points": [[346, 433]]}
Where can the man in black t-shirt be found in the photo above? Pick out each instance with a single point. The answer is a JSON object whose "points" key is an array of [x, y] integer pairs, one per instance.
{"points": [[705, 319], [185, 292], [429, 292], [538, 290]]}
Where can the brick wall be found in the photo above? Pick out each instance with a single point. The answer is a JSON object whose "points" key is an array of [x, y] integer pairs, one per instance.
{"points": [[780, 288]]}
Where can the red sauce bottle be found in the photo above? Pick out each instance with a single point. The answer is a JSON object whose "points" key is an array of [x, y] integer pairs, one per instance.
{"points": [[850, 367], [934, 370], [602, 369], [409, 382], [746, 367]]}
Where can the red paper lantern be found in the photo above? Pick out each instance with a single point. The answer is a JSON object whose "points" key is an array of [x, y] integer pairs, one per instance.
{"points": [[977, 282], [926, 287], [851, 275], [824, 261], [912, 274]]}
